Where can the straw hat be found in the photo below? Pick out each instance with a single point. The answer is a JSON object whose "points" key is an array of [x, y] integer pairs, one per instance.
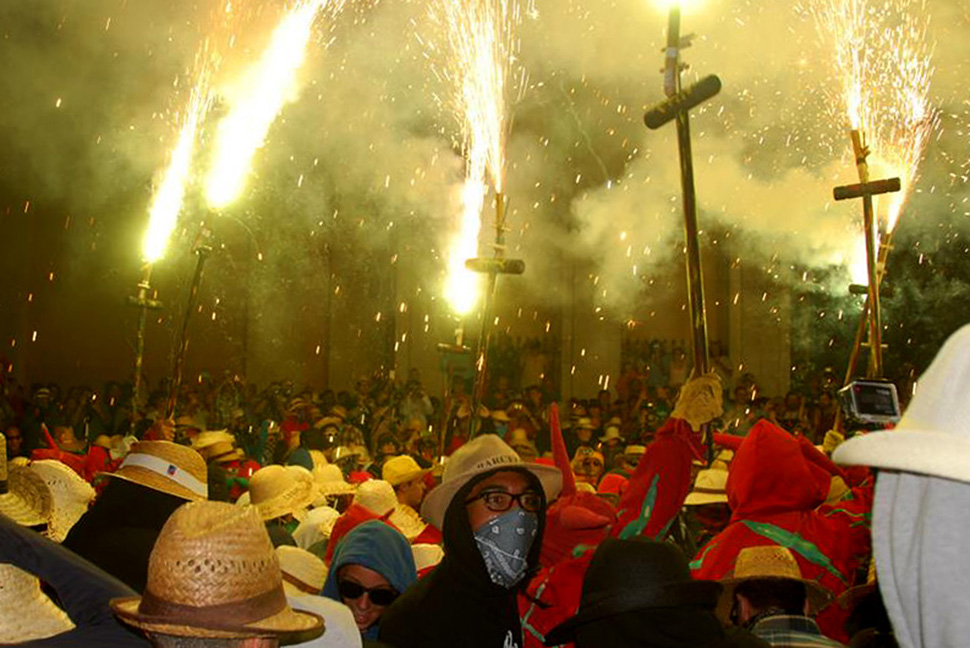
{"points": [[837, 490], [933, 437], [26, 499], [330, 481], [584, 423], [501, 416], [316, 526], [426, 555], [276, 491], [401, 469], [484, 454], [407, 520], [213, 573], [709, 488], [303, 573], [771, 562], [635, 450], [166, 467], [217, 445], [32, 615], [377, 496], [612, 434], [70, 496]]}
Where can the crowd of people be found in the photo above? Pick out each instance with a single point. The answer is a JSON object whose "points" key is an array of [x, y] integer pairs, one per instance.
{"points": [[696, 514]]}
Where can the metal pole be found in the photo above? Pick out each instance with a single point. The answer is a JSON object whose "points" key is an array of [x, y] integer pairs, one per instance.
{"points": [[875, 312], [142, 300], [202, 253], [695, 279]]}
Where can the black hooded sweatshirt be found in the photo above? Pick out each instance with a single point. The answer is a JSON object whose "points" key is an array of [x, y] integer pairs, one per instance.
{"points": [[458, 604]]}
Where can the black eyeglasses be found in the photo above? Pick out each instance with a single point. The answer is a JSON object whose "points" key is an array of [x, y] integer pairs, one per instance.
{"points": [[380, 596], [500, 501]]}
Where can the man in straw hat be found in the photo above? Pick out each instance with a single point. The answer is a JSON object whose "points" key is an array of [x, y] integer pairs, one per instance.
{"points": [[490, 507], [639, 593], [81, 618], [118, 531], [217, 447], [923, 486], [214, 580], [408, 480]]}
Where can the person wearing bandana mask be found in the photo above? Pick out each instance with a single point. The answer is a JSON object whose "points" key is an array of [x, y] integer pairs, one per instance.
{"points": [[491, 508]]}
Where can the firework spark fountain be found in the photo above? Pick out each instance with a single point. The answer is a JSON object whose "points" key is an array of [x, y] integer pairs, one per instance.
{"points": [[167, 202], [480, 64], [269, 85], [884, 61]]}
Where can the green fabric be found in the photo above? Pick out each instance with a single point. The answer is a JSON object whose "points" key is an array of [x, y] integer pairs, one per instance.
{"points": [[796, 543]]}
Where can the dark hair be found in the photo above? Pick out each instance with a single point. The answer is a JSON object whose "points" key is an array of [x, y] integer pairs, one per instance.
{"points": [[788, 595]]}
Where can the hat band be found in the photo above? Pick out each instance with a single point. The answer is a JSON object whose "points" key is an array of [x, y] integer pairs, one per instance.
{"points": [[155, 609], [299, 584], [709, 491], [167, 470], [224, 454]]}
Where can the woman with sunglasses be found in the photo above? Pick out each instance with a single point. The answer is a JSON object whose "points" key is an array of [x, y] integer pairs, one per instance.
{"points": [[371, 567]]}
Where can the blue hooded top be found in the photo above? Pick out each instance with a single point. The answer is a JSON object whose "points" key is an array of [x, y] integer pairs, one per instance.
{"points": [[379, 547]]}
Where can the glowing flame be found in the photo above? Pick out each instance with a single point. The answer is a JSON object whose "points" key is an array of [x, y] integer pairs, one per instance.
{"points": [[269, 85], [858, 265], [463, 286], [884, 62], [167, 202], [480, 58]]}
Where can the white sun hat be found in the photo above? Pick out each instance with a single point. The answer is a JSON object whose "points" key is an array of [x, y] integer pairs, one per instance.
{"points": [[933, 437], [709, 488], [316, 526], [70, 495], [377, 496], [31, 615]]}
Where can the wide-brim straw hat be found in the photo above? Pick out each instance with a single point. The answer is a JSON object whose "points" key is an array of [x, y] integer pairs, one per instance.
{"points": [[377, 496], [303, 572], [426, 555], [709, 488], [166, 467], [330, 481], [316, 526], [213, 573], [933, 436], [70, 496], [402, 469], [276, 491], [29, 614], [407, 520], [218, 446], [612, 434], [771, 562], [28, 500], [484, 454]]}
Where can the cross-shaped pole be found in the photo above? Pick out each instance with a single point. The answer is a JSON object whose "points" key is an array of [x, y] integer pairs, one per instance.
{"points": [[144, 303], [866, 189], [677, 107], [493, 267]]}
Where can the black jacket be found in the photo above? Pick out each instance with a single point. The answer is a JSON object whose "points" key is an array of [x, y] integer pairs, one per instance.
{"points": [[118, 532], [457, 604]]}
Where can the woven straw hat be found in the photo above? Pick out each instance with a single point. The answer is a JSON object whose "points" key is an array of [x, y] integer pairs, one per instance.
{"points": [[426, 555], [276, 491], [484, 454], [771, 562], [303, 573], [407, 520], [330, 481], [70, 496], [24, 497], [35, 617], [709, 488], [213, 573], [377, 496], [316, 526], [166, 467], [217, 445], [398, 470]]}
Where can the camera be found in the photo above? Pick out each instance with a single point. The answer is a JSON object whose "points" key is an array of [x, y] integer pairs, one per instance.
{"points": [[870, 401]]}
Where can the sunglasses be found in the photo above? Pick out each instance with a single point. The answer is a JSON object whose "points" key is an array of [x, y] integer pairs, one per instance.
{"points": [[379, 596], [500, 501]]}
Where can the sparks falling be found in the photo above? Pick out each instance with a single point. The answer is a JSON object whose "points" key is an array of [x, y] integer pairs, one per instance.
{"points": [[167, 202], [480, 60], [269, 85], [884, 63]]}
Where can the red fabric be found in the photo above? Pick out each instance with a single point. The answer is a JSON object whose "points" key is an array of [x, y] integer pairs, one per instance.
{"points": [[557, 590], [773, 488], [354, 516], [577, 519], [430, 535], [73, 461], [560, 454], [613, 484]]}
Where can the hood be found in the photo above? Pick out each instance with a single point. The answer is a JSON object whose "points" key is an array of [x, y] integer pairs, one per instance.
{"points": [[462, 559], [376, 546], [355, 515], [770, 475]]}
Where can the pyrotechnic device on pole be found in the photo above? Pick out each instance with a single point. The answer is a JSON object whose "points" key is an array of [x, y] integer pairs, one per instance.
{"points": [[202, 253], [144, 303], [677, 107]]}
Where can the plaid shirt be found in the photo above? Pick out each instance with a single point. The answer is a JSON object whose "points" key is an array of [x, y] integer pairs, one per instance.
{"points": [[792, 632]]}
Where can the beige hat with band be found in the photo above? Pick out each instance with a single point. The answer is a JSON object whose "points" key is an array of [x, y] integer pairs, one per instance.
{"points": [[484, 454], [213, 573], [303, 572], [771, 562], [709, 488], [166, 467]]}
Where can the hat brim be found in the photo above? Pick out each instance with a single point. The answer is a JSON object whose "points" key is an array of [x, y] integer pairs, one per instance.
{"points": [[701, 593], [291, 501], [289, 625], [437, 501], [818, 596], [409, 476], [700, 499], [150, 479], [926, 452]]}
